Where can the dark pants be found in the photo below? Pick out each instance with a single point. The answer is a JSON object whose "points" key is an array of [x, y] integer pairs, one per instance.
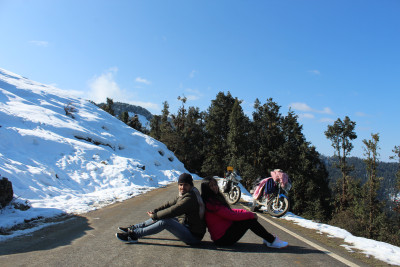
{"points": [[237, 230]]}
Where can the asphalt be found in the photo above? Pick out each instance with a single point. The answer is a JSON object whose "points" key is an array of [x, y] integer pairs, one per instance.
{"points": [[89, 240]]}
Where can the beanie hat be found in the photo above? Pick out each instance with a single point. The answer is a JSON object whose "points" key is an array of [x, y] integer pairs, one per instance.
{"points": [[185, 178]]}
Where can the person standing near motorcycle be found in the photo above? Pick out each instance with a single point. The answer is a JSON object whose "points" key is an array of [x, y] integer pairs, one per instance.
{"points": [[227, 226], [188, 207]]}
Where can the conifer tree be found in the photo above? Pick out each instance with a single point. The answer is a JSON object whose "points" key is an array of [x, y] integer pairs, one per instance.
{"points": [[108, 106], [176, 138], [341, 133], [238, 143], [217, 128], [372, 185], [155, 127], [396, 189], [179, 120], [291, 148], [311, 185], [267, 126], [135, 123], [165, 113], [310, 194], [124, 116], [193, 140], [167, 132], [165, 127]]}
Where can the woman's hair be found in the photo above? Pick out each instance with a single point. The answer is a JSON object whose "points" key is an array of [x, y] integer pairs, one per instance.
{"points": [[209, 196]]}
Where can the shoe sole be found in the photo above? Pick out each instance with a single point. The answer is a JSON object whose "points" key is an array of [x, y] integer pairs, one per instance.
{"points": [[126, 241], [282, 247], [275, 247], [119, 228]]}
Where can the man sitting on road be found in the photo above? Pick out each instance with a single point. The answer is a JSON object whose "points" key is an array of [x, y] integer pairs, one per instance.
{"points": [[188, 207]]}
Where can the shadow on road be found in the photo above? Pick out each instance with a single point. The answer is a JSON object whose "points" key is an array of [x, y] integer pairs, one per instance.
{"points": [[238, 247], [59, 234]]}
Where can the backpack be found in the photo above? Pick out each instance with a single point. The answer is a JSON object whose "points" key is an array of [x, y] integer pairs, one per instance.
{"points": [[269, 186]]}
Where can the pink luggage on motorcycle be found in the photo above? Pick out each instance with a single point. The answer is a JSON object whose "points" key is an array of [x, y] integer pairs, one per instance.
{"points": [[266, 186], [280, 177], [259, 188]]}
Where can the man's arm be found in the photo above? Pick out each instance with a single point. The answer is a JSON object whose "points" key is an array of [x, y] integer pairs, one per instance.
{"points": [[166, 205], [181, 207]]}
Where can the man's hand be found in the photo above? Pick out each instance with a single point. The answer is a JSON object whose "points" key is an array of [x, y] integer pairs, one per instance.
{"points": [[151, 214]]}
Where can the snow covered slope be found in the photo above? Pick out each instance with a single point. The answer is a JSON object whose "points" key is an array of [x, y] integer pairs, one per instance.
{"points": [[71, 163]]}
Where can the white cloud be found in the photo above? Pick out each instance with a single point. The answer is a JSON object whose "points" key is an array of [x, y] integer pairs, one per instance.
{"points": [[328, 120], [361, 114], [307, 116], [193, 94], [326, 111], [142, 80], [191, 75], [309, 111], [315, 72], [300, 106], [304, 107], [40, 43], [104, 86]]}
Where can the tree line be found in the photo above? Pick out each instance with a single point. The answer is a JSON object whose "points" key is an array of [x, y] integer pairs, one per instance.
{"points": [[206, 142]]}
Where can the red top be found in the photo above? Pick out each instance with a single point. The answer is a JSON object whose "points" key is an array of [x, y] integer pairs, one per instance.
{"points": [[219, 218]]}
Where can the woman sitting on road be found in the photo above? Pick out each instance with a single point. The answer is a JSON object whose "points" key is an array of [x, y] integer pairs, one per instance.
{"points": [[225, 225]]}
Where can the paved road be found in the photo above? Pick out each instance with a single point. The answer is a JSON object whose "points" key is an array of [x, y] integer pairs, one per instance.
{"points": [[89, 240]]}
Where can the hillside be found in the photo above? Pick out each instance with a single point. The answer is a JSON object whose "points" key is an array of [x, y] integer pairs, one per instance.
{"points": [[64, 154], [386, 170]]}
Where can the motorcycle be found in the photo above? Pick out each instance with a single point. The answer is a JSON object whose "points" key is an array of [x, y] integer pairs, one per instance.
{"points": [[229, 186], [272, 194]]}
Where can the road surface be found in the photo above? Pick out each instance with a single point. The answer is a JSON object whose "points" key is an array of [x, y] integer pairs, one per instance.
{"points": [[89, 240]]}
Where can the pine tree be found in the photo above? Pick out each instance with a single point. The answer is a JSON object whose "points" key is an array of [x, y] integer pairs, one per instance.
{"points": [[372, 185], [193, 140], [135, 123], [155, 127], [217, 128], [167, 132], [267, 126], [310, 194], [396, 189], [294, 139], [124, 116], [179, 120], [341, 133], [238, 143], [108, 107], [176, 137]]}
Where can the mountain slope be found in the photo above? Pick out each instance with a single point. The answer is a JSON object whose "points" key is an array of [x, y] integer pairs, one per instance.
{"points": [[71, 163]]}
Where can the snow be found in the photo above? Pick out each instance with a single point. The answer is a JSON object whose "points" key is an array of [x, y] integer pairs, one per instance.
{"points": [[382, 251], [59, 164]]}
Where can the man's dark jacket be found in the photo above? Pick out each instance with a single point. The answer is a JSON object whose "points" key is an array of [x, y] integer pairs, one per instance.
{"points": [[186, 208]]}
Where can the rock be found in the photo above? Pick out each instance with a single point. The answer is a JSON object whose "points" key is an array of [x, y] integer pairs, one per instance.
{"points": [[6, 192]]}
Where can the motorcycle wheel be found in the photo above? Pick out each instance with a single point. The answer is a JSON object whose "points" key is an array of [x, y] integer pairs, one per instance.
{"points": [[278, 207], [233, 196]]}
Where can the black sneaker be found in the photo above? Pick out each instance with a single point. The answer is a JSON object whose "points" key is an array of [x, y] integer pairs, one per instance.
{"points": [[127, 229], [127, 237]]}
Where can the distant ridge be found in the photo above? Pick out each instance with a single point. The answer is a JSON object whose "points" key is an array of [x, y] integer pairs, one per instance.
{"points": [[386, 170], [119, 107]]}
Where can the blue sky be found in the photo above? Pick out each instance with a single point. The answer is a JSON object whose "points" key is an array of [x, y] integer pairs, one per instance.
{"points": [[324, 59]]}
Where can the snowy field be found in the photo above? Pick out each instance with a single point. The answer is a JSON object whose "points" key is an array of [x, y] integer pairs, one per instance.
{"points": [[83, 161]]}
